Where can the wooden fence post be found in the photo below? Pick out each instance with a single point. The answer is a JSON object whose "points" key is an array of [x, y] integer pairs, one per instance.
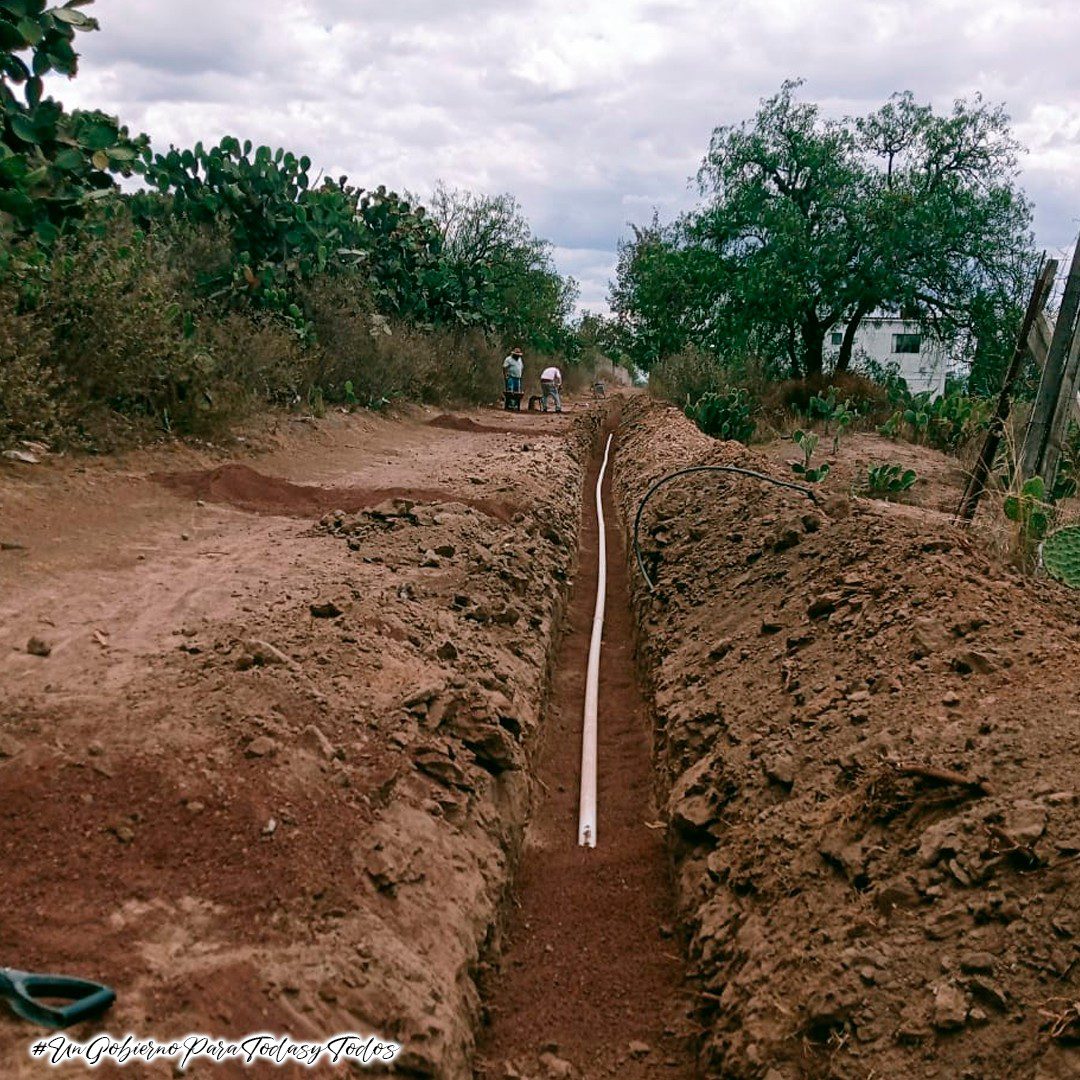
{"points": [[977, 482], [1050, 388], [1066, 406]]}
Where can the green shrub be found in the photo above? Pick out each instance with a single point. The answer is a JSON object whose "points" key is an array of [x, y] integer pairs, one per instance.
{"points": [[947, 422], [30, 404], [887, 377], [120, 336], [807, 442], [885, 481], [687, 376], [1029, 510], [725, 415]]}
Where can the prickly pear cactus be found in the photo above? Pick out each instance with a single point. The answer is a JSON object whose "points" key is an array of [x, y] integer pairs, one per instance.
{"points": [[1061, 555]]}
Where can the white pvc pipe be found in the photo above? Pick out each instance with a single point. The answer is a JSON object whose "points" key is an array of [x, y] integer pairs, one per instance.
{"points": [[587, 804]]}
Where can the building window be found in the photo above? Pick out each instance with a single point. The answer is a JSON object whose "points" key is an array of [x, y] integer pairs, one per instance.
{"points": [[837, 339], [906, 343]]}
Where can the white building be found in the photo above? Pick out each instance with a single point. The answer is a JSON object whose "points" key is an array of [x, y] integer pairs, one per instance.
{"points": [[901, 343]]}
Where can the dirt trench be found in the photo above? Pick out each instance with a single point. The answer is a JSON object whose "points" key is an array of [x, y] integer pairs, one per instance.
{"points": [[866, 725], [589, 982]]}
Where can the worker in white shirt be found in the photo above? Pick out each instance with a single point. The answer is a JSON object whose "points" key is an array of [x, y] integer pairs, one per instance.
{"points": [[550, 381]]}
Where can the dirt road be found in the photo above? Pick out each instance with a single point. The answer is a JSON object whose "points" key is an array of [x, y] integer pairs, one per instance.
{"points": [[272, 772]]}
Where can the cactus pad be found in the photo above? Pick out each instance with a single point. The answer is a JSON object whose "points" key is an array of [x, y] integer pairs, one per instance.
{"points": [[1061, 555]]}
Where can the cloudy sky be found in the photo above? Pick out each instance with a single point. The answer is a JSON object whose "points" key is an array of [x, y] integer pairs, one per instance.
{"points": [[592, 112]]}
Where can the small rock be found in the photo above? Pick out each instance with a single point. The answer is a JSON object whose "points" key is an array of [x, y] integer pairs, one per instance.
{"points": [[270, 827], [124, 833], [430, 559], [447, 651], [313, 739], [927, 638], [446, 551], [95, 748], [36, 647], [780, 770], [896, 894], [972, 663], [11, 545], [977, 963], [23, 457], [821, 607], [950, 1008], [639, 1049], [185, 536], [988, 992], [261, 654], [9, 747], [556, 1067], [422, 697], [327, 609], [1026, 821], [260, 746], [951, 699]]}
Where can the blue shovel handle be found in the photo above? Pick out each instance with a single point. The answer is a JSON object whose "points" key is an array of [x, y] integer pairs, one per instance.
{"points": [[37, 997]]}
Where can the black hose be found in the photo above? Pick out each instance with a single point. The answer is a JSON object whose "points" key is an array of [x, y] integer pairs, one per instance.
{"points": [[801, 488]]}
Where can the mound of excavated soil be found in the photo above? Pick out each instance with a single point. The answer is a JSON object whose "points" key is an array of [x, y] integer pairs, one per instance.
{"points": [[246, 489], [868, 733], [450, 422]]}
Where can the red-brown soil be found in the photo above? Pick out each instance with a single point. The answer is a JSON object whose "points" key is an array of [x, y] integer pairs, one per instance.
{"points": [[275, 772], [241, 486], [868, 728], [244, 811], [592, 964], [451, 422]]}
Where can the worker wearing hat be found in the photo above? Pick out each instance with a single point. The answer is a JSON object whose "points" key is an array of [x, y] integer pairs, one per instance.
{"points": [[513, 369]]}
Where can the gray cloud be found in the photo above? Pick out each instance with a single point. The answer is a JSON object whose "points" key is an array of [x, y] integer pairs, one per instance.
{"points": [[592, 112]]}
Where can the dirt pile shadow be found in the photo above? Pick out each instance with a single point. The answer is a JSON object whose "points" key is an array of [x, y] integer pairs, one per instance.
{"points": [[243, 487], [450, 422], [866, 730]]}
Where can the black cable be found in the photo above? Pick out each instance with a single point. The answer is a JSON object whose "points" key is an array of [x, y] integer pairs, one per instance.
{"points": [[802, 489]]}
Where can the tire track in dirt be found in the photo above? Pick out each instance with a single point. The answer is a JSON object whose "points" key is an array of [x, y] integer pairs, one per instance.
{"points": [[592, 975]]}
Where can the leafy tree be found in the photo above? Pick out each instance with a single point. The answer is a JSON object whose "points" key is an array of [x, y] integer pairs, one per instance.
{"points": [[51, 161], [807, 223], [500, 271], [948, 231]]}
